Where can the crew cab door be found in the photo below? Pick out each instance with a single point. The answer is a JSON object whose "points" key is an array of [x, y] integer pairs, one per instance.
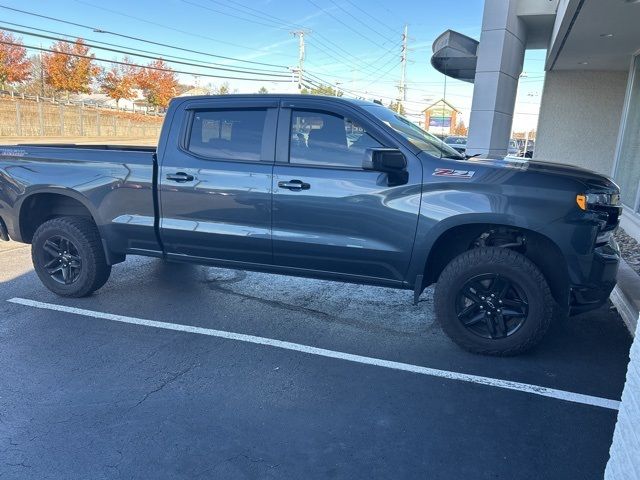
{"points": [[331, 215], [215, 182]]}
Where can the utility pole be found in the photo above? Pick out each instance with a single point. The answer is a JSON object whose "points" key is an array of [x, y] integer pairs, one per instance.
{"points": [[300, 35], [403, 72]]}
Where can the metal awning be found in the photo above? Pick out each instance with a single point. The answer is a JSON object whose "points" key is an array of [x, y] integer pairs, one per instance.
{"points": [[454, 54]]}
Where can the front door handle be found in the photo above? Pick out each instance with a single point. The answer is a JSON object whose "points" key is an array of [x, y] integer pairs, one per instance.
{"points": [[179, 177], [294, 185]]}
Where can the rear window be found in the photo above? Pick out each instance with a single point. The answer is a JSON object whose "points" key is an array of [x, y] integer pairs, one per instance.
{"points": [[227, 134]]}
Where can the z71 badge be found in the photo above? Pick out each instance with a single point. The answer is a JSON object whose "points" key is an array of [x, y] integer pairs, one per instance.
{"points": [[450, 172]]}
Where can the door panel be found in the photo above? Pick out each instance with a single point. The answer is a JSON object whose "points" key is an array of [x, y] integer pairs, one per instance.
{"points": [[220, 208], [348, 220]]}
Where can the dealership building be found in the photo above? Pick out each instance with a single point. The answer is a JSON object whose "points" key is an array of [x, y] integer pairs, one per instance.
{"points": [[589, 115]]}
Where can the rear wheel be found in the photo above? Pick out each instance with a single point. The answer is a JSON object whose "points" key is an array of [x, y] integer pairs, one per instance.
{"points": [[493, 301], [68, 257]]}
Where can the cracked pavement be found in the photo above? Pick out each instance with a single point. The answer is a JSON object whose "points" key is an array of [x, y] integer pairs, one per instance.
{"points": [[83, 398]]}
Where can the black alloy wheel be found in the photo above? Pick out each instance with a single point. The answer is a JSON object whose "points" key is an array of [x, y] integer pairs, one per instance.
{"points": [[492, 306], [62, 259]]}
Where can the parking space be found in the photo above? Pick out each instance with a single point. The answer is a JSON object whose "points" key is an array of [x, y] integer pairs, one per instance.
{"points": [[99, 393]]}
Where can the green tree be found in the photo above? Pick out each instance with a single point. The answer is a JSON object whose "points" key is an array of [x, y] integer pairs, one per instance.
{"points": [[263, 90]]}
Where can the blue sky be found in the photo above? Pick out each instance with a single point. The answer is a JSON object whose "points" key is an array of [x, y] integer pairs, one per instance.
{"points": [[352, 43]]}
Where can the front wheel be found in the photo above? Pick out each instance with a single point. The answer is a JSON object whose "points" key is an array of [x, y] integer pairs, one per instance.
{"points": [[493, 301], [68, 257]]}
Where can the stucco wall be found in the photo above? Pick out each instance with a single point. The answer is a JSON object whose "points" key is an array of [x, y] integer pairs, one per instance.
{"points": [[580, 118]]}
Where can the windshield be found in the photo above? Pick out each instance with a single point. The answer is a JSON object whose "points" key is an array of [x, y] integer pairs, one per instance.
{"points": [[414, 134]]}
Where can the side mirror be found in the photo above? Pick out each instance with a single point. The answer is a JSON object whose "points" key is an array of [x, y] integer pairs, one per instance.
{"points": [[388, 160]]}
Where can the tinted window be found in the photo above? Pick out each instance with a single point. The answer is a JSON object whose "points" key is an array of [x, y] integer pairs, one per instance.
{"points": [[327, 139], [228, 134]]}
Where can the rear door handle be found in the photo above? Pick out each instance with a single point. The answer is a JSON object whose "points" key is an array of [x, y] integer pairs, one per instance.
{"points": [[180, 177], [294, 185]]}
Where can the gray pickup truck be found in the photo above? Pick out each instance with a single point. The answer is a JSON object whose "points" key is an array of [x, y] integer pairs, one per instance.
{"points": [[328, 188]]}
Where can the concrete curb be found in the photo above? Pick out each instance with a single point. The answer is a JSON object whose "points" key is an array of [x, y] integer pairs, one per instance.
{"points": [[626, 296]]}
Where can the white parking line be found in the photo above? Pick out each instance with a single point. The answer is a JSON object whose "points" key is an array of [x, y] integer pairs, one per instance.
{"points": [[432, 372]]}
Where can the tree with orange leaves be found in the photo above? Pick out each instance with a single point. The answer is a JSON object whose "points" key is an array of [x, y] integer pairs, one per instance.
{"points": [[15, 67], [119, 81], [69, 67], [158, 82]]}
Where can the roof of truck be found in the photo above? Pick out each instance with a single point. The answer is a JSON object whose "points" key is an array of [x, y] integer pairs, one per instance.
{"points": [[294, 96]]}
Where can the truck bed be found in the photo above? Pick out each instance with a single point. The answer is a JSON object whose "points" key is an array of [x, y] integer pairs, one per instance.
{"points": [[115, 183]]}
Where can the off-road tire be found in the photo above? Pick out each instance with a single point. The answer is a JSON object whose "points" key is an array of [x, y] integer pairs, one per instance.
{"points": [[85, 238], [516, 268]]}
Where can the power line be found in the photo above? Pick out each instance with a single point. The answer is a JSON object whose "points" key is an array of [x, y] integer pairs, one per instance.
{"points": [[360, 21], [134, 49], [272, 18], [138, 39], [146, 67], [346, 25], [369, 15], [279, 23], [115, 50]]}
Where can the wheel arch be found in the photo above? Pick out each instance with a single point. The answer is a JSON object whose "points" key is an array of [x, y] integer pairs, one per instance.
{"points": [[49, 203], [44, 204], [452, 238]]}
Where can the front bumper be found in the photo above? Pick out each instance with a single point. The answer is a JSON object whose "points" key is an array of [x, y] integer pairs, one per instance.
{"points": [[602, 279]]}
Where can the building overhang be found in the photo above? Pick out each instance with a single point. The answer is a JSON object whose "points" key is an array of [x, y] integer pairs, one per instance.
{"points": [[455, 55], [595, 35]]}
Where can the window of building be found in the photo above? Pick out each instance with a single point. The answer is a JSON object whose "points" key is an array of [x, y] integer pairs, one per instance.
{"points": [[628, 166], [328, 139], [228, 134]]}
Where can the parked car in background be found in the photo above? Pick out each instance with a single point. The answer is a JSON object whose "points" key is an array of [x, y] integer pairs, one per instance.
{"points": [[513, 149], [329, 188], [527, 151], [458, 143]]}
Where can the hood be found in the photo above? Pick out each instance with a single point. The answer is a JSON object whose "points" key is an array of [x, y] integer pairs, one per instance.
{"points": [[590, 179]]}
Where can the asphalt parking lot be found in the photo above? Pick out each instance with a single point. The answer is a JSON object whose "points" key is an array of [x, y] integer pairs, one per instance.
{"points": [[326, 380]]}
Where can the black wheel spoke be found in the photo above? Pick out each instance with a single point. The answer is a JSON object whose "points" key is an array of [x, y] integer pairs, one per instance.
{"points": [[508, 312], [470, 293], [69, 278], [468, 311], [51, 248], [477, 318], [501, 325], [491, 325], [54, 270], [514, 304], [52, 262], [500, 286]]}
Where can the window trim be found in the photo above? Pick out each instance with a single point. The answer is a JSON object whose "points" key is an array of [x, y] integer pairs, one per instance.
{"points": [[289, 110], [267, 148]]}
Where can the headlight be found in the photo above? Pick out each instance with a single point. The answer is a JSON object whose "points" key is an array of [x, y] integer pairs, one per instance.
{"points": [[588, 200]]}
